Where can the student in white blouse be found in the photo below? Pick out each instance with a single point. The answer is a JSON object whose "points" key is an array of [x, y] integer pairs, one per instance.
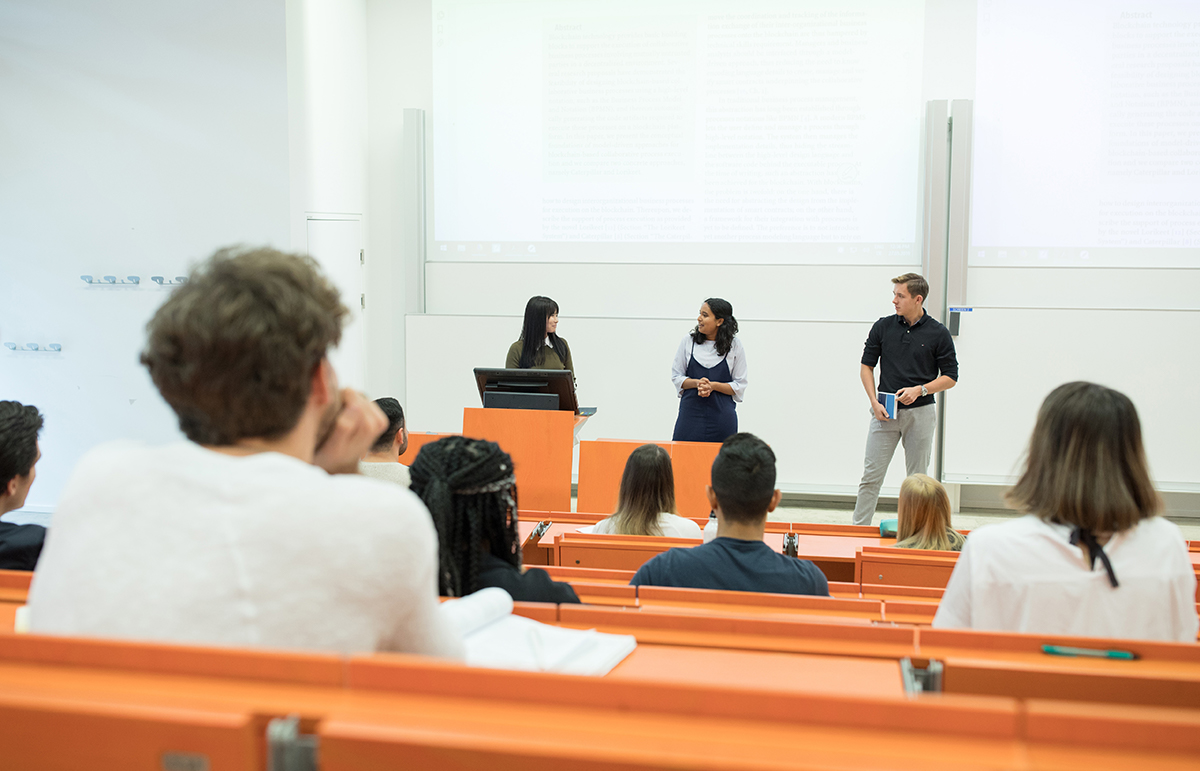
{"points": [[1088, 490], [646, 500], [709, 373]]}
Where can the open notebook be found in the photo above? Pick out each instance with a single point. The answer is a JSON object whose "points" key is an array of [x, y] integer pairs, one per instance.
{"points": [[495, 638]]}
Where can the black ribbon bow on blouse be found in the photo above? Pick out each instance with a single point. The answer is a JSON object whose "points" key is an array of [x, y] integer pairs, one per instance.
{"points": [[1088, 539]]}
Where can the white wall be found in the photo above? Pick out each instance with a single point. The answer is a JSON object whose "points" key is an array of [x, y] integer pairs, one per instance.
{"points": [[135, 138], [399, 47]]}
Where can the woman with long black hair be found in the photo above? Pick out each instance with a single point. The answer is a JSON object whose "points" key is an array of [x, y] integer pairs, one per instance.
{"points": [[709, 373], [540, 347]]}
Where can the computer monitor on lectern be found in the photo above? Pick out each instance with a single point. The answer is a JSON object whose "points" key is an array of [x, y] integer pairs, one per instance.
{"points": [[527, 389]]}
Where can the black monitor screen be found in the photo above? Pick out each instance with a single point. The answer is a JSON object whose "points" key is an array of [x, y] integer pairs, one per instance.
{"points": [[527, 389]]}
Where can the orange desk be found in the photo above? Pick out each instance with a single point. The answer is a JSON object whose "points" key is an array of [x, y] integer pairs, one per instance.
{"points": [[106, 706], [906, 567], [835, 555], [541, 443]]}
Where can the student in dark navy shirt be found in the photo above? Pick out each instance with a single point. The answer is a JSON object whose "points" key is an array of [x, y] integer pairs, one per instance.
{"points": [[742, 493]]}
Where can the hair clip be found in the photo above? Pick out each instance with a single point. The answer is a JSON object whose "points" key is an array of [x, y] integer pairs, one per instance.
{"points": [[163, 282]]}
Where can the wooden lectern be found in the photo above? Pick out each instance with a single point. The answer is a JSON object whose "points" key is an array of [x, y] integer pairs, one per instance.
{"points": [[540, 443]]}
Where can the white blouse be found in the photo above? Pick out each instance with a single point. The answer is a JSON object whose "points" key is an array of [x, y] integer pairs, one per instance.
{"points": [[706, 354], [1025, 576], [672, 526]]}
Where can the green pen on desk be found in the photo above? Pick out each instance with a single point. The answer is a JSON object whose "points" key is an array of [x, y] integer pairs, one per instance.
{"points": [[1095, 653]]}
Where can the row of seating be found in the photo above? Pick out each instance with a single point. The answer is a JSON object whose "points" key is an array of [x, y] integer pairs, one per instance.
{"points": [[670, 705], [844, 553]]}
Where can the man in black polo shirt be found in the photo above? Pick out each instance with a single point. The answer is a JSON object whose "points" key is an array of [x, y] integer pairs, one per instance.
{"points": [[741, 494], [918, 361]]}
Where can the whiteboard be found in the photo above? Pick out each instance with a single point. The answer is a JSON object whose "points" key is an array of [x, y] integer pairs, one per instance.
{"points": [[1011, 358]]}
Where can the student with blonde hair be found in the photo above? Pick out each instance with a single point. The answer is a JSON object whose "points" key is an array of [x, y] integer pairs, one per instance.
{"points": [[646, 500], [1092, 557], [924, 516]]}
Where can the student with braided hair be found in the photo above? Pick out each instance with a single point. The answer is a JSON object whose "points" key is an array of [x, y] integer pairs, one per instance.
{"points": [[470, 490]]}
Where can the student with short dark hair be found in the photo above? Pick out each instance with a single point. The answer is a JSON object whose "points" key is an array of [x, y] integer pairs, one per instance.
{"points": [[646, 500], [742, 493], [20, 545], [382, 461], [1092, 557], [470, 490], [257, 531]]}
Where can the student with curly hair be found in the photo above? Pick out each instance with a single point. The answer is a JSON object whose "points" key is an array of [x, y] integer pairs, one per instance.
{"points": [[470, 489], [709, 373]]}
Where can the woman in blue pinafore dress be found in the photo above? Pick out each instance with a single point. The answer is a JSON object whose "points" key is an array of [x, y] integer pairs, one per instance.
{"points": [[709, 373]]}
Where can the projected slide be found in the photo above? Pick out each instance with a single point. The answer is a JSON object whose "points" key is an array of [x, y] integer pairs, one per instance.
{"points": [[1087, 134], [773, 131]]}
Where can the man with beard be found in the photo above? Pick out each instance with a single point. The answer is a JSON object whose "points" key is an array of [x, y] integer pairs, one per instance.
{"points": [[258, 531]]}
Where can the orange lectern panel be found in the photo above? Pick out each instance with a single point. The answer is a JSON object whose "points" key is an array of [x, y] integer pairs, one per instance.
{"points": [[417, 440], [601, 464], [692, 463], [540, 443]]}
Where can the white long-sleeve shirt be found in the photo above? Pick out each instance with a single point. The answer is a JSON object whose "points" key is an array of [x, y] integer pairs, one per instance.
{"points": [[183, 544], [707, 356], [1025, 576]]}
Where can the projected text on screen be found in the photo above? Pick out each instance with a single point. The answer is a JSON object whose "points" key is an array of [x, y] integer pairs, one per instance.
{"points": [[768, 131]]}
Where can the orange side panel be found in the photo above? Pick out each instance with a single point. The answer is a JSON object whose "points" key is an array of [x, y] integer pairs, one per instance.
{"points": [[546, 612], [593, 575], [540, 442], [15, 579], [692, 464], [879, 571], [66, 735], [417, 440], [325, 669], [601, 464], [1052, 680]]}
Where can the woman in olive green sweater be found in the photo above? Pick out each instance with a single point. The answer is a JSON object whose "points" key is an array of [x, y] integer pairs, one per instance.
{"points": [[540, 347]]}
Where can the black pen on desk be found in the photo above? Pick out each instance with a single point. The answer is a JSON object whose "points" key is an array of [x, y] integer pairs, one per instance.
{"points": [[1094, 653]]}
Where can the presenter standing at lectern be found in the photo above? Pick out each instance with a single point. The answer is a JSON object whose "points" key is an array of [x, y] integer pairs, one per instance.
{"points": [[709, 373], [540, 347], [918, 361]]}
